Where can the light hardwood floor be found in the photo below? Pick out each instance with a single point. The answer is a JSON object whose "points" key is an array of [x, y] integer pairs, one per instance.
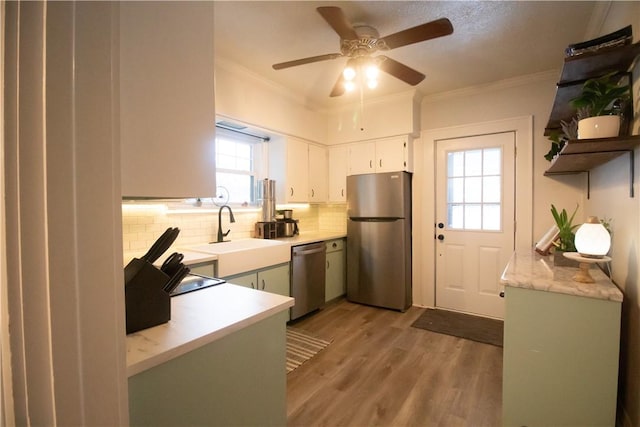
{"points": [[379, 371]]}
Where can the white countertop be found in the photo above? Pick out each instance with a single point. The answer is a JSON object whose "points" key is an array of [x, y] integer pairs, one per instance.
{"points": [[194, 257], [199, 318], [529, 270]]}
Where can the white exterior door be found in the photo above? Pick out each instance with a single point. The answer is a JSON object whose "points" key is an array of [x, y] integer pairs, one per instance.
{"points": [[474, 230]]}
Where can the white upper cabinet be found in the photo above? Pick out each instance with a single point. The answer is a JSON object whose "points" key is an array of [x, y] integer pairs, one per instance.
{"points": [[362, 158], [383, 155], [167, 107], [296, 183], [338, 173], [288, 166], [318, 171], [392, 154]]}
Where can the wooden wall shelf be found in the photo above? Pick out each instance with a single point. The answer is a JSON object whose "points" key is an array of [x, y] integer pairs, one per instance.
{"points": [[582, 155], [577, 69]]}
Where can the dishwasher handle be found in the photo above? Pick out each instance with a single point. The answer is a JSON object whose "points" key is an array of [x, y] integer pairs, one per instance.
{"points": [[314, 250]]}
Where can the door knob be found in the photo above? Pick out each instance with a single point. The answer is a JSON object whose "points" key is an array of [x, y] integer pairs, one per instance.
{"points": [[441, 237]]}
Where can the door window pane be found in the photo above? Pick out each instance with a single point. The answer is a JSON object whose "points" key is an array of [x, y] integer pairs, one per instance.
{"points": [[455, 191], [474, 189], [455, 164], [491, 217], [455, 216]]}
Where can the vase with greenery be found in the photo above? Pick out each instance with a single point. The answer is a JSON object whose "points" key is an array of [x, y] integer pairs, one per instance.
{"points": [[601, 97], [566, 235]]}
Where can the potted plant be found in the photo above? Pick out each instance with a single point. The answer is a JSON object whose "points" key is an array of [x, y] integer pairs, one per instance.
{"points": [[566, 236], [599, 105]]}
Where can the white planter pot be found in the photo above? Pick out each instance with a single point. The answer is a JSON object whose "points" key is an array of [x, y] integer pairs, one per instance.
{"points": [[599, 127]]}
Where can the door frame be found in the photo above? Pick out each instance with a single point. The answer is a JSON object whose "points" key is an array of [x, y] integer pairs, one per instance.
{"points": [[424, 289]]}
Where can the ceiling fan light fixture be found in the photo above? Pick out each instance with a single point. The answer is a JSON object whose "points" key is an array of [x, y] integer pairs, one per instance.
{"points": [[349, 86], [349, 73], [371, 71]]}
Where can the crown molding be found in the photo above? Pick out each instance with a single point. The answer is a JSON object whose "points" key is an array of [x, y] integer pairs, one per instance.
{"points": [[497, 85]]}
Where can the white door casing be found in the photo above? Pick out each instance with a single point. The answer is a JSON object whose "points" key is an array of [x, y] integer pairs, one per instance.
{"points": [[474, 221]]}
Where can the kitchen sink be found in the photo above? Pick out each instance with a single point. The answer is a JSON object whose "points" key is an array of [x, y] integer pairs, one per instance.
{"points": [[239, 256]]}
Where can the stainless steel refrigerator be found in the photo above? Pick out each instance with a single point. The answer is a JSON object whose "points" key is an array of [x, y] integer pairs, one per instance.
{"points": [[379, 239]]}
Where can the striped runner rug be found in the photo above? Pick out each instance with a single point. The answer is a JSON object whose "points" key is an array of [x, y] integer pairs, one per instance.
{"points": [[302, 346]]}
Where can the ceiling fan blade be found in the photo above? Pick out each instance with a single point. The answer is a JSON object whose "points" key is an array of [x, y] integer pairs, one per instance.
{"points": [[309, 60], [338, 21], [338, 88], [400, 71], [430, 30]]}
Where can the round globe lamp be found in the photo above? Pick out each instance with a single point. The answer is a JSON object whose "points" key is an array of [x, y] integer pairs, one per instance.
{"points": [[592, 242], [592, 239]]}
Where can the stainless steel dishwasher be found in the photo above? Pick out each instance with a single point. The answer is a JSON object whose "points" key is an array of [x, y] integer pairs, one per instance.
{"points": [[307, 277]]}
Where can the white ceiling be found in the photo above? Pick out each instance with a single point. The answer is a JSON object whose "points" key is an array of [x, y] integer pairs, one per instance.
{"points": [[492, 40]]}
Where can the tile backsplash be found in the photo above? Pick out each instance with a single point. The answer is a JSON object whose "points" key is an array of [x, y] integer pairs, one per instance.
{"points": [[142, 224]]}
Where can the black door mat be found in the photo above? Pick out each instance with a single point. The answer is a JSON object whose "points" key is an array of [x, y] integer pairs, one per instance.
{"points": [[475, 328]]}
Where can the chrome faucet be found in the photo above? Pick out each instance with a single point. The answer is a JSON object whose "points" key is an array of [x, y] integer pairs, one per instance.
{"points": [[222, 235]]}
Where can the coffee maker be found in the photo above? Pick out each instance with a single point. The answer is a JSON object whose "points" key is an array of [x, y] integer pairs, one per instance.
{"points": [[286, 225]]}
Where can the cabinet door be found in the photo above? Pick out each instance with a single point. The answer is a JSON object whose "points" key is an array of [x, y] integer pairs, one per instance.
{"points": [[167, 103], [362, 158], [318, 174], [204, 269], [297, 189], [391, 155], [338, 174], [247, 280], [275, 280], [335, 277]]}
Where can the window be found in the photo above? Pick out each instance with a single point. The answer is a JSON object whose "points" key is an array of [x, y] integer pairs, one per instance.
{"points": [[474, 194], [237, 166]]}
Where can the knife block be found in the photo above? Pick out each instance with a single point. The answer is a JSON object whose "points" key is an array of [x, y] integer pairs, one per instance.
{"points": [[147, 303]]}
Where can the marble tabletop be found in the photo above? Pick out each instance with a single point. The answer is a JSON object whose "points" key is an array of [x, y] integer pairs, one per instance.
{"points": [[529, 270]]}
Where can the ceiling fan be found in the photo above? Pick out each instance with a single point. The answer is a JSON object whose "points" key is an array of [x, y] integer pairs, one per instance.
{"points": [[359, 43]]}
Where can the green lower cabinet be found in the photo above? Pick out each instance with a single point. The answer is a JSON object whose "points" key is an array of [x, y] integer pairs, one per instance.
{"points": [[273, 279], [335, 282], [248, 280], [238, 380], [560, 359], [207, 269]]}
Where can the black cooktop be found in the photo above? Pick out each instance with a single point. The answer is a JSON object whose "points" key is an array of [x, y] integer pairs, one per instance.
{"points": [[194, 282]]}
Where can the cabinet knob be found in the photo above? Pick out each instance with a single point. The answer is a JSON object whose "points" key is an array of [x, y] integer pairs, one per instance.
{"points": [[440, 225], [370, 164], [342, 192], [380, 162], [263, 284], [502, 294], [327, 264], [253, 286], [441, 237], [313, 193], [291, 191]]}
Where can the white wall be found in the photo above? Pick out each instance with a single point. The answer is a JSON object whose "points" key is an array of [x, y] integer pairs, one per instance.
{"points": [[610, 199], [255, 101]]}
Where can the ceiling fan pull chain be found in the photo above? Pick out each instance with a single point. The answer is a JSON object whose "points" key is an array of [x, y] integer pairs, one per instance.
{"points": [[361, 103]]}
